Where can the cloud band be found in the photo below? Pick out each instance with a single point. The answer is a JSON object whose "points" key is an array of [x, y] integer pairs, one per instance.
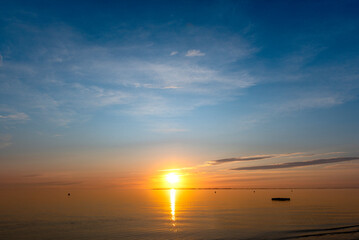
{"points": [[299, 164]]}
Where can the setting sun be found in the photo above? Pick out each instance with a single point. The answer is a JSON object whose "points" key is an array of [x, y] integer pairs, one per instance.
{"points": [[172, 178]]}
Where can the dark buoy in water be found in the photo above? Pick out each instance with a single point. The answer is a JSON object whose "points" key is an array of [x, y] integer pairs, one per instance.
{"points": [[215, 192], [68, 194], [254, 191], [280, 199]]}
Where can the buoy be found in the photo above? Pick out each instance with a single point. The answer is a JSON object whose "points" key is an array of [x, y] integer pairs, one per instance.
{"points": [[280, 199], [215, 192], [68, 194]]}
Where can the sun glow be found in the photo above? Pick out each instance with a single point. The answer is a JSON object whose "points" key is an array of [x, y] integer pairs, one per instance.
{"points": [[172, 178]]}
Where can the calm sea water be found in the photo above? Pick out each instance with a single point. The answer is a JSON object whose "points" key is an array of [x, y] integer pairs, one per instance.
{"points": [[179, 214]]}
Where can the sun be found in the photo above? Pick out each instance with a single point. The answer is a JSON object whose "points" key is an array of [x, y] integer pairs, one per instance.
{"points": [[172, 178]]}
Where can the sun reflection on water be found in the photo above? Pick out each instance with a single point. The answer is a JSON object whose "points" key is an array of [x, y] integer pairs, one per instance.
{"points": [[173, 206]]}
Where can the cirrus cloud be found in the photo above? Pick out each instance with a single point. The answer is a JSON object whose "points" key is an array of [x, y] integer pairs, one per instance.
{"points": [[194, 53], [298, 164]]}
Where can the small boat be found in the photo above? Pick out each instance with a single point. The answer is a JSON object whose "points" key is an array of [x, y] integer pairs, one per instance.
{"points": [[280, 199]]}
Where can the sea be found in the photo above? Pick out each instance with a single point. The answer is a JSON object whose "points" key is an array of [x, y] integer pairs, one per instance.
{"points": [[106, 214]]}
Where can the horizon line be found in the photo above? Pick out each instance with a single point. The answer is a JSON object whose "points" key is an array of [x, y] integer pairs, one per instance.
{"points": [[260, 188]]}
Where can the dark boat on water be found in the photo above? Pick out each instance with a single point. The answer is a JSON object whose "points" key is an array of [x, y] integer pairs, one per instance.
{"points": [[280, 199]]}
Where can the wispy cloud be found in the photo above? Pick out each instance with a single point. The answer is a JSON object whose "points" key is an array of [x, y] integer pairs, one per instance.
{"points": [[177, 169], [170, 130], [189, 77], [78, 78], [55, 183], [252, 158], [314, 101], [97, 96], [218, 166], [171, 87], [40, 183], [194, 53], [5, 140], [299, 164], [299, 101], [239, 159], [34, 175], [15, 116]]}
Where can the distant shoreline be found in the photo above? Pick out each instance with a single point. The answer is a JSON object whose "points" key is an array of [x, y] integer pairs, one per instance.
{"points": [[251, 188]]}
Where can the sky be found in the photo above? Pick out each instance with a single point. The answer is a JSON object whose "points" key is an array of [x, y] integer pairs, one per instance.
{"points": [[224, 93]]}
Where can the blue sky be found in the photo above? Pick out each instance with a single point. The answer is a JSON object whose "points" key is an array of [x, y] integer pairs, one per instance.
{"points": [[160, 84]]}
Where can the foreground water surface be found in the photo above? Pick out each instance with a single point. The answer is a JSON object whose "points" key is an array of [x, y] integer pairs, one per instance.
{"points": [[179, 214]]}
